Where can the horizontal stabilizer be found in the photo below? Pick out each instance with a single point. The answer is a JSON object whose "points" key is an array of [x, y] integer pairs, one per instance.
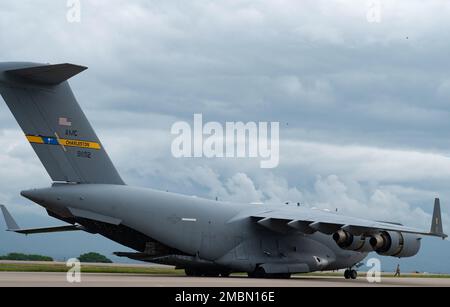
{"points": [[48, 74], [13, 227], [10, 222], [47, 229]]}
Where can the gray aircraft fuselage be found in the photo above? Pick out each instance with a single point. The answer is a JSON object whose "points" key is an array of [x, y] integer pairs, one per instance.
{"points": [[210, 232], [204, 237]]}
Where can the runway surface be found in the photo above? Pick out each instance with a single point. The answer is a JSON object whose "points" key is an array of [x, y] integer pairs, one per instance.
{"points": [[23, 279]]}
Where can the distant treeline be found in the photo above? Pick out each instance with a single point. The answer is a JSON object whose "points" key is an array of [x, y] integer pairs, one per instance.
{"points": [[94, 258], [88, 257], [25, 257]]}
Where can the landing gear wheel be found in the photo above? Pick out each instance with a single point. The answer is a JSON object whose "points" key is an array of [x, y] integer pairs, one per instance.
{"points": [[259, 272], [350, 274], [347, 274]]}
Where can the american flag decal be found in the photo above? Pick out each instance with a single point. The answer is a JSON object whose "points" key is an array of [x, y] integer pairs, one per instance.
{"points": [[64, 121]]}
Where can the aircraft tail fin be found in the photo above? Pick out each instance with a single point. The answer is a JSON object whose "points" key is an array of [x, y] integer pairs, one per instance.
{"points": [[43, 104]]}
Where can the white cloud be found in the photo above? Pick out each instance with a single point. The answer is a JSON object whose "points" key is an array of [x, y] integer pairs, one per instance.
{"points": [[241, 188], [20, 169], [366, 163], [376, 203], [348, 196]]}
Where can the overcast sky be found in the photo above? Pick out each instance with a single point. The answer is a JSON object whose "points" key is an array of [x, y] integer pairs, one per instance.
{"points": [[363, 106]]}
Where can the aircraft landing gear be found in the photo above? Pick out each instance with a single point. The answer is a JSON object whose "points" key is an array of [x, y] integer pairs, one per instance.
{"points": [[350, 274], [261, 273]]}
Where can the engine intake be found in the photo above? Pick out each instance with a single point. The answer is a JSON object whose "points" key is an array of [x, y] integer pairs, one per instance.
{"points": [[397, 244]]}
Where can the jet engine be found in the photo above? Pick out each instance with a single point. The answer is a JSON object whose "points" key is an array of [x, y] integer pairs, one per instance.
{"points": [[347, 241], [397, 244]]}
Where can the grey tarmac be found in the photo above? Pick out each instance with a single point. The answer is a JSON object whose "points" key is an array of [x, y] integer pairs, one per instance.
{"points": [[25, 279]]}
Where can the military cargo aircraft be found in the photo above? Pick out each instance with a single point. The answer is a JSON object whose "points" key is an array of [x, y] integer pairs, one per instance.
{"points": [[203, 237]]}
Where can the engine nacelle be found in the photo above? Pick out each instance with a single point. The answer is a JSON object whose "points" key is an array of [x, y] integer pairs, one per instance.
{"points": [[347, 241], [397, 244]]}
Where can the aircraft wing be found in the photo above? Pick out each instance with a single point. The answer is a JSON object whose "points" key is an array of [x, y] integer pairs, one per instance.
{"points": [[309, 220], [12, 226]]}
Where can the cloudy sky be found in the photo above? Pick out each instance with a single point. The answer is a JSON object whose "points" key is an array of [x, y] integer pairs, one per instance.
{"points": [[363, 106]]}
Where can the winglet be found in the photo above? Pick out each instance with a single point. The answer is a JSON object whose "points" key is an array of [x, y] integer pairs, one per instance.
{"points": [[436, 223], [10, 222]]}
